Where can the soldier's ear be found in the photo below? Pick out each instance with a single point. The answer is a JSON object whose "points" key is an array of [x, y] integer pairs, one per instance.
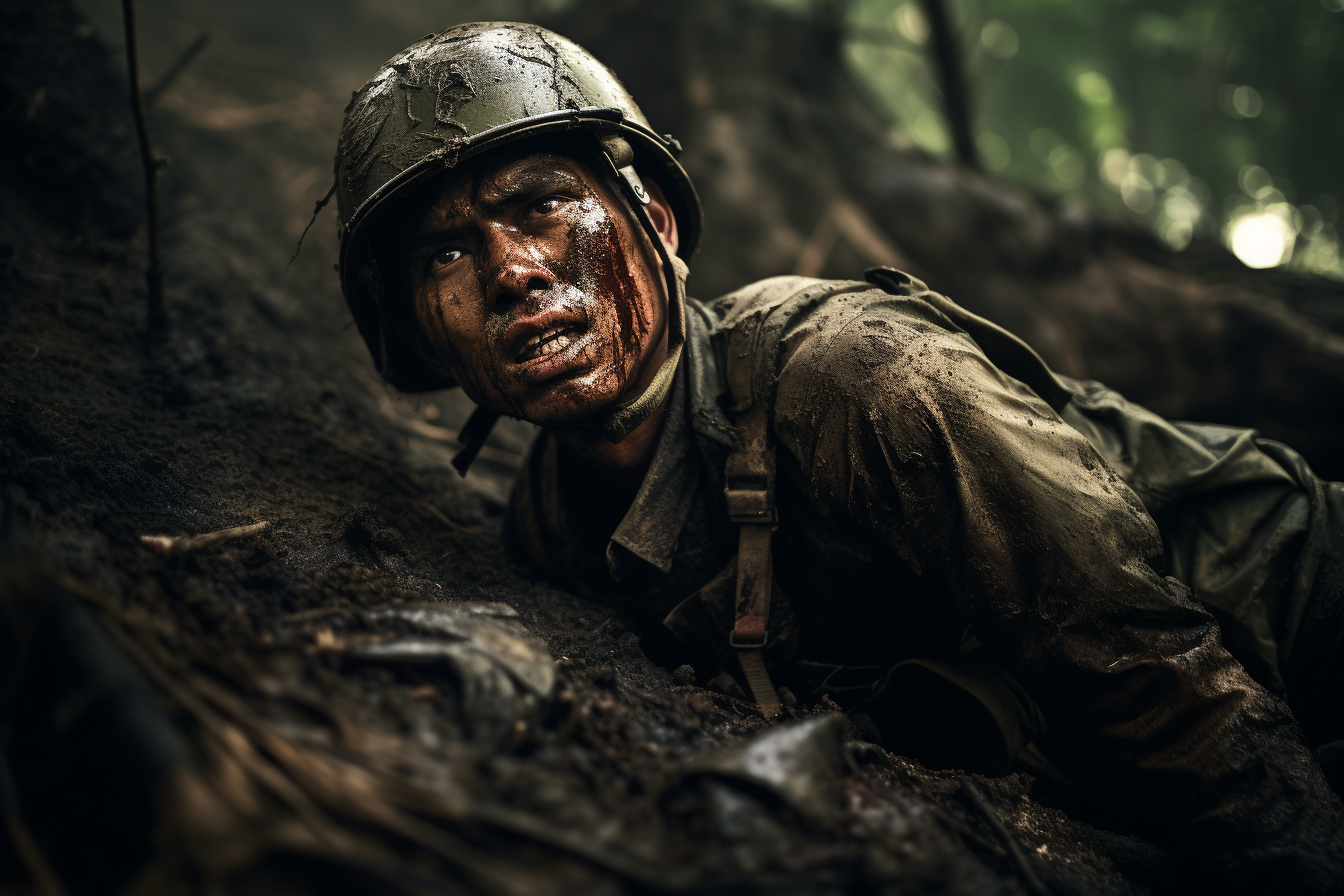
{"points": [[661, 214]]}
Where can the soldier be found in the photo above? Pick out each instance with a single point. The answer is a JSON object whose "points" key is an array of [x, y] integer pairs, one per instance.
{"points": [[851, 489]]}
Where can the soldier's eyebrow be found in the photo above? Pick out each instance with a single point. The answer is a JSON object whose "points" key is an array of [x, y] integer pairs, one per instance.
{"points": [[496, 195]]}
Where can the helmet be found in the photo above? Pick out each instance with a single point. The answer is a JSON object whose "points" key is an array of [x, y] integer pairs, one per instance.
{"points": [[464, 92]]}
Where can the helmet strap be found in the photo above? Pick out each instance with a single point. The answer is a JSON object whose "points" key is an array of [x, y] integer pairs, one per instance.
{"points": [[617, 423]]}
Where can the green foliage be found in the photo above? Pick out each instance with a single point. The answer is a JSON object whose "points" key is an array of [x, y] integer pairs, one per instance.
{"points": [[1196, 116]]}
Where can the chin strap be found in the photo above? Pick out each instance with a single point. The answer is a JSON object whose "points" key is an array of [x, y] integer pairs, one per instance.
{"points": [[473, 436], [619, 422]]}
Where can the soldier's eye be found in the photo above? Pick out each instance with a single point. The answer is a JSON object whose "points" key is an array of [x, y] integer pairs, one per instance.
{"points": [[445, 257], [547, 205]]}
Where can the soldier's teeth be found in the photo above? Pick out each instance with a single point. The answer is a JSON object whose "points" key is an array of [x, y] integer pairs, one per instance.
{"points": [[556, 343], [548, 343]]}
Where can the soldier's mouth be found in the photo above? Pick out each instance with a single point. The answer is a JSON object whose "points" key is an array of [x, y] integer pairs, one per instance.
{"points": [[549, 342]]}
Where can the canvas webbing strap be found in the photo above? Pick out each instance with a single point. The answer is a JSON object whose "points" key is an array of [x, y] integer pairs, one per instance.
{"points": [[753, 355], [472, 437], [758, 680]]}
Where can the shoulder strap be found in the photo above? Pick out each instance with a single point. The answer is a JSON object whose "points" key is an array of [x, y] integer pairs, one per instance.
{"points": [[752, 355]]}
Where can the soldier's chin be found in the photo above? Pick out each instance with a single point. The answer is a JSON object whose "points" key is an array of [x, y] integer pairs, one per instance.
{"points": [[567, 411]]}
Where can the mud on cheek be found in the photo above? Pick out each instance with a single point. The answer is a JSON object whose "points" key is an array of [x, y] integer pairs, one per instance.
{"points": [[598, 263], [489, 377], [476, 372]]}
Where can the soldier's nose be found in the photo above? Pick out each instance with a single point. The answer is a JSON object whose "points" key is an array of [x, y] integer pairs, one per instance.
{"points": [[515, 270]]}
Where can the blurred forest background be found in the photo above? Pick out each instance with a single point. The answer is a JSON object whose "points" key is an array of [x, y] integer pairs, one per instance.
{"points": [[1194, 116]]}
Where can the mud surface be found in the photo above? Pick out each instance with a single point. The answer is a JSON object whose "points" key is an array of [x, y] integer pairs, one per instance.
{"points": [[363, 696]]}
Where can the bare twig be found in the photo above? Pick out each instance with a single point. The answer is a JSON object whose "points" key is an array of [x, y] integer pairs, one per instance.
{"points": [[150, 161], [176, 544], [956, 101], [321, 204], [438, 514], [176, 69]]}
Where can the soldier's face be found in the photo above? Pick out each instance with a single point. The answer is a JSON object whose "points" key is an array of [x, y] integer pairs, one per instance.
{"points": [[533, 287]]}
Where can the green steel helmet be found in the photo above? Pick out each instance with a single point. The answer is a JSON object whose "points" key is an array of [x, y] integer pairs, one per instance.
{"points": [[467, 91]]}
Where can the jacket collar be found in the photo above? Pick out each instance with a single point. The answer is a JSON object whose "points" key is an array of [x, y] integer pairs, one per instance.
{"points": [[652, 527]]}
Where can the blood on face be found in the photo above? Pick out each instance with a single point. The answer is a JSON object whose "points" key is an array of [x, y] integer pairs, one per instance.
{"points": [[534, 287]]}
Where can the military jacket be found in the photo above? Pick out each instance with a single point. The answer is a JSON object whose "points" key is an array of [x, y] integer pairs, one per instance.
{"points": [[959, 525]]}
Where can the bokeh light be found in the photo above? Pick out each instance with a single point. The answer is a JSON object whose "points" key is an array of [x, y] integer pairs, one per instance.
{"points": [[1094, 88], [1262, 239], [912, 25], [999, 39]]}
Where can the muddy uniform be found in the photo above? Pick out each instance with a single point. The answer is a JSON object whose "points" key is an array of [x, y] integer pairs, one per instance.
{"points": [[969, 559]]}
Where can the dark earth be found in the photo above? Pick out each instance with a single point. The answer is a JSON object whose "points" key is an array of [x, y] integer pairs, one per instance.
{"points": [[364, 696]]}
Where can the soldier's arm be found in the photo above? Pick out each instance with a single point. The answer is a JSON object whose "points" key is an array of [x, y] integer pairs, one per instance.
{"points": [[906, 431]]}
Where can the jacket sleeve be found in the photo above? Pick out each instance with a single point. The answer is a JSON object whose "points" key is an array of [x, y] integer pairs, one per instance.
{"points": [[908, 434]]}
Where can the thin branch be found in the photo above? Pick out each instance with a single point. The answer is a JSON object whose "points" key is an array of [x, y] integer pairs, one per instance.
{"points": [[956, 100], [154, 276], [321, 204], [176, 544]]}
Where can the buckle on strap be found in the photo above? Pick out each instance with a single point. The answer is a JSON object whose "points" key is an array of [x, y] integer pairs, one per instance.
{"points": [[750, 505], [748, 633]]}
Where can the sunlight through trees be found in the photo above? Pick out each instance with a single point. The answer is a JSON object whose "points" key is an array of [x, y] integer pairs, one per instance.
{"points": [[1155, 109]]}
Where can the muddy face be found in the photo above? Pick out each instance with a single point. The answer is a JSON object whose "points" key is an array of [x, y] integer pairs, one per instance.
{"points": [[534, 288]]}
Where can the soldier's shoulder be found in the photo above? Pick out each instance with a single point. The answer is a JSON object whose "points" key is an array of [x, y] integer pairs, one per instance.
{"points": [[765, 295], [830, 333], [772, 292]]}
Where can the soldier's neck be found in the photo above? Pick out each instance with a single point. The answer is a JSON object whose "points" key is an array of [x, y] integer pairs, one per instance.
{"points": [[630, 456]]}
